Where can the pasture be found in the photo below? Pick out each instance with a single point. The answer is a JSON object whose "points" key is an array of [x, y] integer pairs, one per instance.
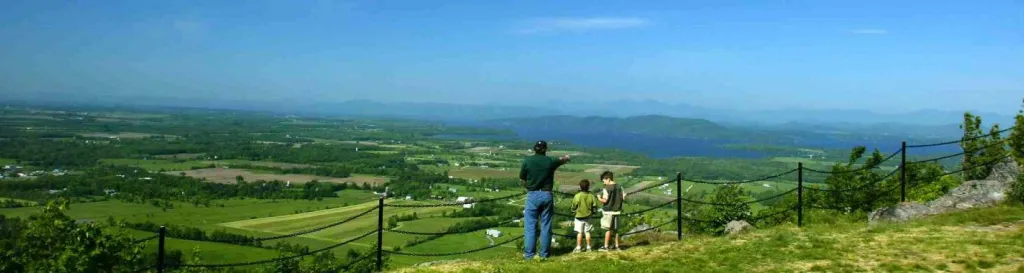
{"points": [[280, 165], [180, 156], [155, 165], [125, 135]]}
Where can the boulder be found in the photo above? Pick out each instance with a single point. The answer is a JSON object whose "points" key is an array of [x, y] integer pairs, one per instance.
{"points": [[899, 213], [1006, 171], [637, 229], [737, 227], [970, 194]]}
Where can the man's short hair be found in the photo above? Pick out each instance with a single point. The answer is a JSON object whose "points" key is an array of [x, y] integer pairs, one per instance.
{"points": [[585, 185], [540, 146], [607, 175]]}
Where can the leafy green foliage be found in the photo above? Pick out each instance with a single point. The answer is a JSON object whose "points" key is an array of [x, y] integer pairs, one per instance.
{"points": [[53, 242], [721, 215], [1016, 140], [972, 156]]}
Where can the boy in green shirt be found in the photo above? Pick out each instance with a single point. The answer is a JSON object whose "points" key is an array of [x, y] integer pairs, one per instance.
{"points": [[584, 205]]}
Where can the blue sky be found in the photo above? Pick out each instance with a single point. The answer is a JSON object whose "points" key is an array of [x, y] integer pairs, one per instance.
{"points": [[885, 56]]}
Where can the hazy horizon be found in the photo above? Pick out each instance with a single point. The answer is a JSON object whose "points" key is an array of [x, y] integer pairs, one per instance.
{"points": [[878, 56]]}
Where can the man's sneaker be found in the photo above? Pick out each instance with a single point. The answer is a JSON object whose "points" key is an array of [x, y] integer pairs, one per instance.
{"points": [[588, 249], [577, 250], [602, 249]]}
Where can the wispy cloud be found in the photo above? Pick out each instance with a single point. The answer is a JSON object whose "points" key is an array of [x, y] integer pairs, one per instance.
{"points": [[869, 31], [581, 24]]}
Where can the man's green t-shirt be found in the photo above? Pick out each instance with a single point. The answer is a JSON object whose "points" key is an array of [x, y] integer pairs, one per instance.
{"points": [[584, 204], [539, 172]]}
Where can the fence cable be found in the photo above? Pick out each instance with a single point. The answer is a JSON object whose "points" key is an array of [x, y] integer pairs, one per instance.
{"points": [[651, 187], [456, 203], [452, 253], [316, 229], [960, 140], [770, 177], [1001, 142], [985, 164], [143, 240], [773, 214], [277, 259], [865, 167], [865, 185], [639, 212], [450, 232], [673, 221], [740, 203]]}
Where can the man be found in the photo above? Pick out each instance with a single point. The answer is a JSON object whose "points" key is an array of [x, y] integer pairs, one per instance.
{"points": [[538, 175]]}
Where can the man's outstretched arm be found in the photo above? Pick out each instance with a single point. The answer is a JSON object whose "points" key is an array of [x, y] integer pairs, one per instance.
{"points": [[563, 160]]}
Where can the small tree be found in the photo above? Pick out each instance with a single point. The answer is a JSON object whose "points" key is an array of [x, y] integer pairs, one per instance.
{"points": [[1016, 191], [972, 154], [719, 216]]}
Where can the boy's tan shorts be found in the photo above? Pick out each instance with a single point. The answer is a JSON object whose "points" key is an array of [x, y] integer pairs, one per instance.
{"points": [[610, 222]]}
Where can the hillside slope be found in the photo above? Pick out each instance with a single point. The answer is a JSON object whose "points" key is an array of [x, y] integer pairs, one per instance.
{"points": [[989, 240]]}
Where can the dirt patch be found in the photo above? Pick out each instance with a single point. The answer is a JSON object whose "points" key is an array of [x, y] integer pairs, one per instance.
{"points": [[227, 176]]}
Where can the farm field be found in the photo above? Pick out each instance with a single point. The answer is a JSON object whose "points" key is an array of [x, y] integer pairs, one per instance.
{"points": [[125, 135], [291, 223], [155, 165], [281, 165], [228, 176], [180, 156]]}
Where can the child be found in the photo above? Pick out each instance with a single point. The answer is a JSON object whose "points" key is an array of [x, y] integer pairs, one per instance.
{"points": [[584, 205], [612, 197]]}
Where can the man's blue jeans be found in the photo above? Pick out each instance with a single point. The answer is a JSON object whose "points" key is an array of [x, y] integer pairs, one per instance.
{"points": [[538, 204]]}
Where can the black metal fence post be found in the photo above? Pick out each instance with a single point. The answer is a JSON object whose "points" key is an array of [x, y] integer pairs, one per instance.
{"points": [[679, 206], [160, 250], [380, 234], [800, 194], [903, 172]]}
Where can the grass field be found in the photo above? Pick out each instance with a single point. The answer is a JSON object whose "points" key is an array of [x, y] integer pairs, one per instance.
{"points": [[224, 175], [180, 156], [155, 165], [208, 219], [303, 221], [125, 135], [281, 165], [980, 240], [23, 202]]}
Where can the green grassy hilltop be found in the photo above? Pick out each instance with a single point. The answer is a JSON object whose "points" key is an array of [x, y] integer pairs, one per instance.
{"points": [[980, 240]]}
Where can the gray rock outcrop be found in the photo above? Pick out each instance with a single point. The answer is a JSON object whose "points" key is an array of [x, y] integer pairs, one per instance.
{"points": [[737, 227], [971, 194]]}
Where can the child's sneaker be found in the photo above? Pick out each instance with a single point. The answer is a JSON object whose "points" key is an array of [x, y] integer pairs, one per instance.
{"points": [[577, 250], [602, 249], [588, 249]]}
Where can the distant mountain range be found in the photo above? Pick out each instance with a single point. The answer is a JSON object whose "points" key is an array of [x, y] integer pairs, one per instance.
{"points": [[921, 124], [924, 124]]}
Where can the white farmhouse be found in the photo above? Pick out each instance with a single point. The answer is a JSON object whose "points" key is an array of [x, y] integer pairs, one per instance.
{"points": [[494, 233], [464, 199]]}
